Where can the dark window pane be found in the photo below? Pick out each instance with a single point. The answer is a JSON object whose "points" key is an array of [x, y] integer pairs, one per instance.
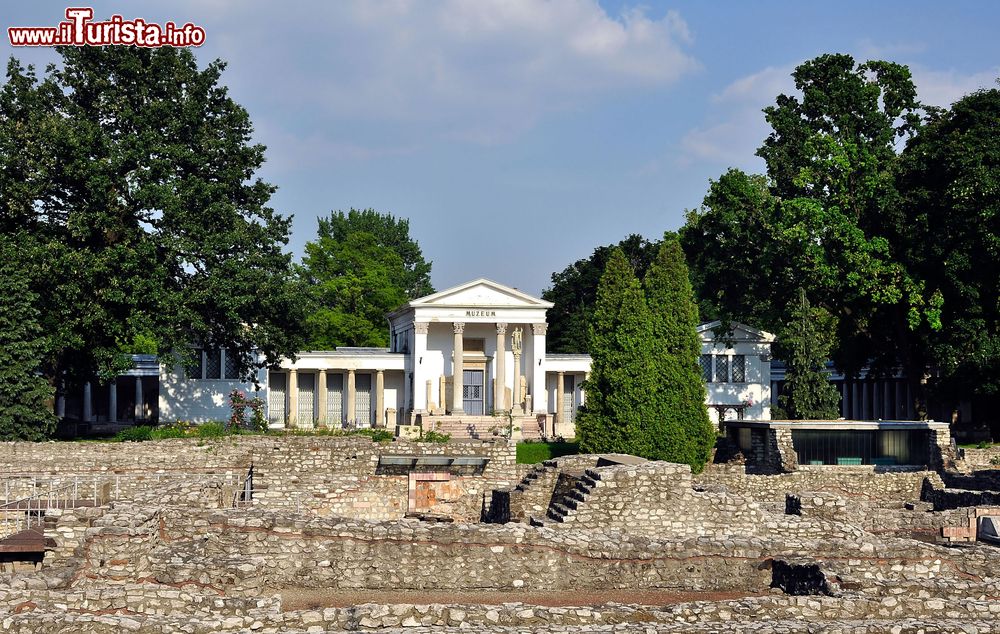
{"points": [[232, 365], [706, 368], [721, 368], [739, 369], [213, 364], [195, 371]]}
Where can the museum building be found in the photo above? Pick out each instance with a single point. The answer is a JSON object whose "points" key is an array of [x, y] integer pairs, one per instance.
{"points": [[470, 361]]}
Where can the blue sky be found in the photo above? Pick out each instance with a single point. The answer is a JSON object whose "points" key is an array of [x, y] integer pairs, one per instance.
{"points": [[519, 135]]}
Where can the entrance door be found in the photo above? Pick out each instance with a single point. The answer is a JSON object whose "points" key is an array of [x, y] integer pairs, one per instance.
{"points": [[569, 398], [335, 400], [276, 397], [472, 392], [363, 399], [307, 393]]}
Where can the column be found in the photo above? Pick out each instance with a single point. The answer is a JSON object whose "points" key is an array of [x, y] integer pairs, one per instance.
{"points": [[515, 347], [88, 403], [500, 381], [61, 403], [420, 402], [877, 400], [113, 400], [379, 398], [855, 400], [352, 399], [909, 401], [889, 411], [843, 399], [292, 413], [538, 368], [557, 420], [320, 413], [865, 393], [457, 368], [140, 410]]}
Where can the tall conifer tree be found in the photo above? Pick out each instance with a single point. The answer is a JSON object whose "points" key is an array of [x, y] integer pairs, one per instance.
{"points": [[680, 431], [807, 342], [621, 384]]}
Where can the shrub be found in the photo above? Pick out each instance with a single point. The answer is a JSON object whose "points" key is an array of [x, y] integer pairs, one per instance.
{"points": [[135, 434], [378, 435], [995, 461], [213, 429], [434, 436], [168, 431]]}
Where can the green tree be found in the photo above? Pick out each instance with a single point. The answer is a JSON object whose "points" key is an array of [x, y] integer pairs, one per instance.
{"points": [[806, 341], [133, 171], [574, 293], [356, 273], [621, 389], [680, 430], [826, 219], [949, 181], [25, 395], [390, 232]]}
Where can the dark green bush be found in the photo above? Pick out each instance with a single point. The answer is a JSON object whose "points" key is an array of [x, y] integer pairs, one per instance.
{"points": [[167, 431], [434, 436], [212, 430], [135, 434], [378, 435]]}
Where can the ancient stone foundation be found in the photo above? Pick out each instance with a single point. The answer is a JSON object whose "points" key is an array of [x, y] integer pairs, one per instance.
{"points": [[186, 537]]}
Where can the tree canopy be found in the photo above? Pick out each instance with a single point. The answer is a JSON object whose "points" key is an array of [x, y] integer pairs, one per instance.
{"points": [[950, 238], [130, 174], [25, 394], [826, 219], [574, 292], [362, 265]]}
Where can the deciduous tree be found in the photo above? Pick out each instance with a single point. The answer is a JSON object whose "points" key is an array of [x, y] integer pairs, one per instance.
{"points": [[25, 395], [574, 292], [134, 172], [361, 266]]}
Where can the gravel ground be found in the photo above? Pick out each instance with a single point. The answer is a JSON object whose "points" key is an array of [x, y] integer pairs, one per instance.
{"points": [[312, 598]]}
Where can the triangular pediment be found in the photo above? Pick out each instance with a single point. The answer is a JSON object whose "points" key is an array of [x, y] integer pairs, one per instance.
{"points": [[740, 332], [481, 292]]}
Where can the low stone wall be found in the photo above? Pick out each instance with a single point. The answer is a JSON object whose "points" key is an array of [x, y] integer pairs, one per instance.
{"points": [[324, 475], [987, 457], [905, 613], [868, 483], [658, 499]]}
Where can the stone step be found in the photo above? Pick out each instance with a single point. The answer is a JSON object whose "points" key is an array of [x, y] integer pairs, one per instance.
{"points": [[555, 517], [535, 521], [578, 495]]}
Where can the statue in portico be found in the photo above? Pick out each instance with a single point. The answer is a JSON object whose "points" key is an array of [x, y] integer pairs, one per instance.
{"points": [[515, 347]]}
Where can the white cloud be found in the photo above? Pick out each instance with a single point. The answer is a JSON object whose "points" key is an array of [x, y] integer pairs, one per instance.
{"points": [[470, 70], [945, 87], [735, 126]]}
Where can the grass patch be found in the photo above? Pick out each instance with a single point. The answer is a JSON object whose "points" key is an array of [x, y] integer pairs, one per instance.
{"points": [[535, 452]]}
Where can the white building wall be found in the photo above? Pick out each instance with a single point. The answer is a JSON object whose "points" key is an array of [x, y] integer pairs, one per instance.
{"points": [[200, 400]]}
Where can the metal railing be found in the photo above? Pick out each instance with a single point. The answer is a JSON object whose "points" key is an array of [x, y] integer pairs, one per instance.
{"points": [[28, 511]]}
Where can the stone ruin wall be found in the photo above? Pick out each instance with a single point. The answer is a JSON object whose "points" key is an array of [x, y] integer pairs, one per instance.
{"points": [[326, 476], [975, 457], [169, 559]]}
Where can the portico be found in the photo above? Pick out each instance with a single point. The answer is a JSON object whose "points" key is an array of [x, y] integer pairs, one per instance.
{"points": [[477, 349]]}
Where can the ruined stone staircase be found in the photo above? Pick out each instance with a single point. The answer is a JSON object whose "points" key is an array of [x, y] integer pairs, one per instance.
{"points": [[562, 508]]}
